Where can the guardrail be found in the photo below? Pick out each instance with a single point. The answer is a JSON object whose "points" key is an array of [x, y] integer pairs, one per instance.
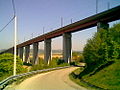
{"points": [[4, 83]]}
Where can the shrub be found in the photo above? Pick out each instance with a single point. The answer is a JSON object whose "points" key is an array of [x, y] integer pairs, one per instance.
{"points": [[7, 63], [103, 47], [72, 63], [59, 61], [27, 64], [55, 62]]}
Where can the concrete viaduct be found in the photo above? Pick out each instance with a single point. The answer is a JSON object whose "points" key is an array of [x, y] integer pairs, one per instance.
{"points": [[100, 20]]}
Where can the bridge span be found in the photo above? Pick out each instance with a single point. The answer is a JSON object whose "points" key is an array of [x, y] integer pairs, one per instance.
{"points": [[100, 20]]}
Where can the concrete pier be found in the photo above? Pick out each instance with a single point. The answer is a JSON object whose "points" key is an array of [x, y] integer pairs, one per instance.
{"points": [[47, 50], [67, 44], [21, 49], [27, 52], [35, 53], [102, 25], [17, 51]]}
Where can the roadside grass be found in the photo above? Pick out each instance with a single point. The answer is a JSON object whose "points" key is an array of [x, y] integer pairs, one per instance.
{"points": [[107, 78], [73, 76], [52, 64], [4, 77]]}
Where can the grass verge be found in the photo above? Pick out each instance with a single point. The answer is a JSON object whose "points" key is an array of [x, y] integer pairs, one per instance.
{"points": [[78, 81], [106, 78]]}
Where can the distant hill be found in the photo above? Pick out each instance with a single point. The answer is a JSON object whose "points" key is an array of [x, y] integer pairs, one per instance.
{"points": [[41, 51], [2, 50]]}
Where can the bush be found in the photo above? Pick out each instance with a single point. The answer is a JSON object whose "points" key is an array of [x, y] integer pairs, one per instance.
{"points": [[77, 57], [27, 64], [41, 65], [72, 63], [6, 65], [103, 47], [59, 61], [55, 62]]}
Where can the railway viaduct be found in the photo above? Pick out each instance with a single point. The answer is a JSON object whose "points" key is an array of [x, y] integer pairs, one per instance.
{"points": [[100, 20]]}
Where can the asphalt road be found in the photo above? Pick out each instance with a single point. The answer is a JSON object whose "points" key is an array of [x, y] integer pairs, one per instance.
{"points": [[54, 80]]}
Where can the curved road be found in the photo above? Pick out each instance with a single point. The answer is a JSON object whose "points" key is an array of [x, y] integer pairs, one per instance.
{"points": [[54, 80]]}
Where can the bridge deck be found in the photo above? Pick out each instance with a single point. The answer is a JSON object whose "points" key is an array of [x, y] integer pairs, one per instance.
{"points": [[106, 16]]}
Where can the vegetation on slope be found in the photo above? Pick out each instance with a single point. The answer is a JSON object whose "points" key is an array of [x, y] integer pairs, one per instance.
{"points": [[107, 78], [102, 48], [6, 65], [102, 58]]}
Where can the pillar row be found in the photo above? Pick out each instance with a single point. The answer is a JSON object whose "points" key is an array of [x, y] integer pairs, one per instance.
{"points": [[47, 50], [27, 52], [11, 51], [21, 49], [102, 25], [67, 44], [35, 53]]}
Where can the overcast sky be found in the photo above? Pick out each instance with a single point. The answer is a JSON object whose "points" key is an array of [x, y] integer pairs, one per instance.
{"points": [[33, 15]]}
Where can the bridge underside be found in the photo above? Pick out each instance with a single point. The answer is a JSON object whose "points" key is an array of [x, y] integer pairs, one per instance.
{"points": [[100, 20]]}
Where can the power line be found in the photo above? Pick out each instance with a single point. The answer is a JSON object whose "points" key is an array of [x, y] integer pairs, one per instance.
{"points": [[14, 10], [7, 24]]}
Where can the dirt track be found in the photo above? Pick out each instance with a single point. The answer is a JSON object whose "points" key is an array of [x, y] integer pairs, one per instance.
{"points": [[54, 80]]}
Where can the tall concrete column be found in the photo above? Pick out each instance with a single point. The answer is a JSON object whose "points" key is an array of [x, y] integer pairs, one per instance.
{"points": [[17, 52], [35, 53], [67, 45], [21, 49], [47, 50], [102, 25], [27, 52]]}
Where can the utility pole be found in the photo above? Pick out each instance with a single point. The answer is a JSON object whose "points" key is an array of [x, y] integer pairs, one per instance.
{"points": [[71, 21], [71, 53], [32, 35], [24, 39], [96, 6], [15, 43], [43, 30], [18, 41], [108, 4], [61, 22]]}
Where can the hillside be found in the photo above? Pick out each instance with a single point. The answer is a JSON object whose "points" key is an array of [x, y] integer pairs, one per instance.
{"points": [[102, 58], [107, 78]]}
